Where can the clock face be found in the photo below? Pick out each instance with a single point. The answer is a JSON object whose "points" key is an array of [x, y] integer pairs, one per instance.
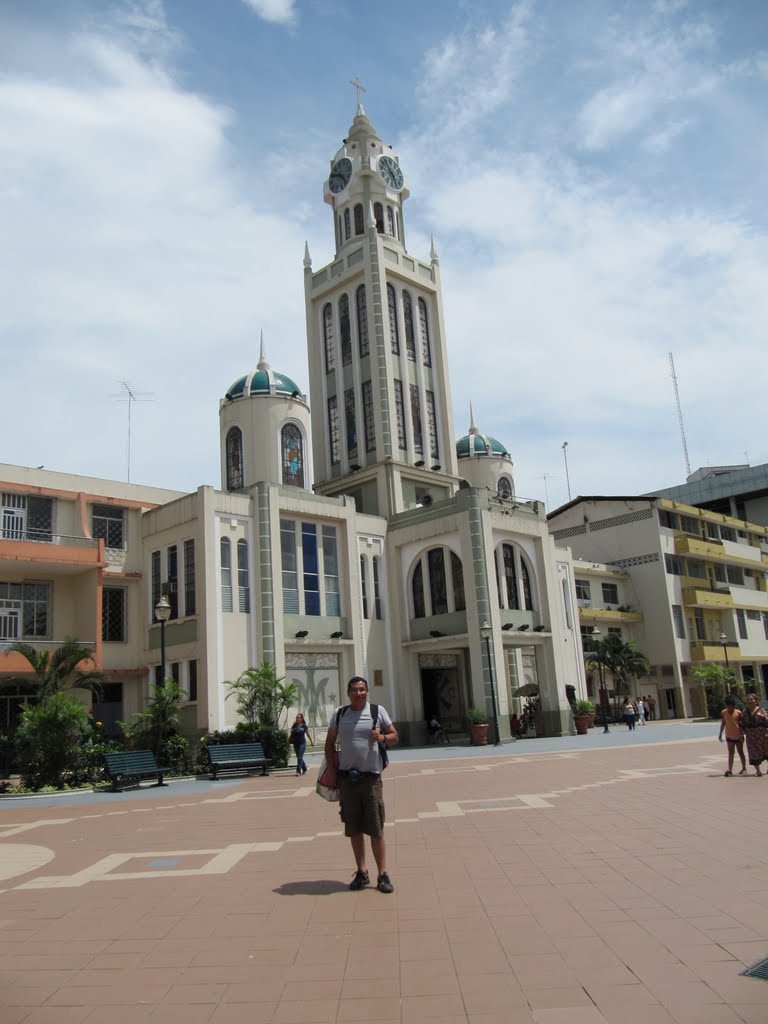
{"points": [[341, 172], [391, 173]]}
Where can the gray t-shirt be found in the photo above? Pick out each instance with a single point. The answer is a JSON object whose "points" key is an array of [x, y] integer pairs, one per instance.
{"points": [[357, 747]]}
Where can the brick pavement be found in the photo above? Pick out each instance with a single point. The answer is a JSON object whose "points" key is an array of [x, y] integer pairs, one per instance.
{"points": [[616, 886]]}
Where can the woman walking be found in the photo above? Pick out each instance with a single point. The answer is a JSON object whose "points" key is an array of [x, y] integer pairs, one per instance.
{"points": [[299, 737], [754, 722], [628, 711]]}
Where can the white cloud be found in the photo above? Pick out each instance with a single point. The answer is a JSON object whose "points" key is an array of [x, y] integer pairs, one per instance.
{"points": [[133, 255], [281, 12]]}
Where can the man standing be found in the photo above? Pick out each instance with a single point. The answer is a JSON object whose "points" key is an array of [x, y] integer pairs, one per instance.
{"points": [[359, 778]]}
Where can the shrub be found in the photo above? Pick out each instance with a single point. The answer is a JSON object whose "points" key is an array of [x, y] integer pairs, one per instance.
{"points": [[156, 723], [261, 697], [582, 708], [50, 739], [179, 755], [476, 716]]}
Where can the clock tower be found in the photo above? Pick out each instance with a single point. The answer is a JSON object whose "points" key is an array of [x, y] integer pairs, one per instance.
{"points": [[380, 393]]}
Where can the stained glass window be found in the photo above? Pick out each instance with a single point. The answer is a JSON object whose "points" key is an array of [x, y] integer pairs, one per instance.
{"points": [[362, 321], [410, 334], [333, 429], [345, 330], [243, 588], [369, 423], [351, 422], [426, 348], [400, 414], [418, 439], [234, 446], [394, 331], [292, 445], [457, 571], [330, 354], [417, 589], [434, 448], [437, 588], [359, 220]]}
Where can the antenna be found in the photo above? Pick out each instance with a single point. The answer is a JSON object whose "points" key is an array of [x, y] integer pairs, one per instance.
{"points": [[545, 477], [564, 445], [680, 416], [130, 395]]}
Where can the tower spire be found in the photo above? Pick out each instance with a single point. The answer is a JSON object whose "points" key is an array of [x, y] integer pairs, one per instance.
{"points": [[473, 428], [263, 364]]}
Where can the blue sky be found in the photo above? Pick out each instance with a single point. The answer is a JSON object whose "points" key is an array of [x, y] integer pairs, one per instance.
{"points": [[594, 175]]}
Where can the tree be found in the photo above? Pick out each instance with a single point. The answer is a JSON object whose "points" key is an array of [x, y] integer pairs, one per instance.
{"points": [[49, 738], [262, 697], [717, 682], [58, 670], [154, 725], [622, 659]]}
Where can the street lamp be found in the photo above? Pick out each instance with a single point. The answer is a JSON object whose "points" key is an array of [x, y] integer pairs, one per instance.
{"points": [[724, 645], [162, 614], [486, 631], [603, 694]]}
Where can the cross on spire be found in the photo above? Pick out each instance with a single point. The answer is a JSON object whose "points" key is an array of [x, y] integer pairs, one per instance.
{"points": [[359, 87]]}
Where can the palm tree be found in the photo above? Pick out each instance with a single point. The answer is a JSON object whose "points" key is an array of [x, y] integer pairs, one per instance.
{"points": [[58, 670], [622, 659]]}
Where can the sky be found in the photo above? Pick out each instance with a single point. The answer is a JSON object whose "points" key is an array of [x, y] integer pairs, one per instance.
{"points": [[593, 174]]}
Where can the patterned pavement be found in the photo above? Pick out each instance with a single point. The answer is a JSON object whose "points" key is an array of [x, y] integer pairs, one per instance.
{"points": [[543, 883]]}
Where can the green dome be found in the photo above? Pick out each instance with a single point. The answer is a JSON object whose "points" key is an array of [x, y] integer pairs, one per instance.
{"points": [[264, 381], [477, 445]]}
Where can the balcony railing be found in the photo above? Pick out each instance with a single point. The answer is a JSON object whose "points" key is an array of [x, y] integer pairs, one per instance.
{"points": [[46, 537]]}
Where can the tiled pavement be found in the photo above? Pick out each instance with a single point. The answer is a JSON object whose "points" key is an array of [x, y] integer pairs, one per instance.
{"points": [[626, 885]]}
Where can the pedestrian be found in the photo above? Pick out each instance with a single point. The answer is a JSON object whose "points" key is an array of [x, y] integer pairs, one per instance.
{"points": [[299, 737], [640, 710], [628, 711], [730, 723], [359, 777], [754, 722], [652, 707], [646, 708]]}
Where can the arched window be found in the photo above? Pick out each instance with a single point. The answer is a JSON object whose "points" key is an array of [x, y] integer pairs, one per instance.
{"points": [[345, 330], [243, 589], [391, 221], [526, 581], [426, 348], [457, 571], [292, 445], [330, 354], [364, 585], [359, 220], [234, 459], [505, 488], [378, 216], [362, 320], [225, 549], [510, 577], [410, 335], [417, 589], [347, 224], [394, 331], [513, 578], [444, 592]]}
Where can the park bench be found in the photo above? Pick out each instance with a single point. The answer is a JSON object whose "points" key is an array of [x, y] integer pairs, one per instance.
{"points": [[132, 766], [233, 757]]}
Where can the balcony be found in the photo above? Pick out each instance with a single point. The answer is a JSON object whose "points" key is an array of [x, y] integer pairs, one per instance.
{"points": [[608, 615], [720, 551], [709, 650], [707, 597], [36, 550]]}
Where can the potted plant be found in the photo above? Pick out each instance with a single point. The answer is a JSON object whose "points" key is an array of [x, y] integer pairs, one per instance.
{"points": [[583, 715], [478, 726]]}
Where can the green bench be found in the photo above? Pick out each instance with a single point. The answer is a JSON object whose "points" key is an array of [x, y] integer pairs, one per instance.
{"points": [[131, 766], [236, 757]]}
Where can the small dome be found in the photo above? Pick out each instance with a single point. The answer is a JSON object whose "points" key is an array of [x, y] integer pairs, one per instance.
{"points": [[474, 444], [264, 381], [478, 445]]}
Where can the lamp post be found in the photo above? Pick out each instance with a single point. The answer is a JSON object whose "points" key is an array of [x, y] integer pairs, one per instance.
{"points": [[486, 631], [724, 645], [162, 614], [603, 694], [565, 459]]}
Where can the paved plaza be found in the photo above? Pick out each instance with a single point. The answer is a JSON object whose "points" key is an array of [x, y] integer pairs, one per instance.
{"points": [[550, 882]]}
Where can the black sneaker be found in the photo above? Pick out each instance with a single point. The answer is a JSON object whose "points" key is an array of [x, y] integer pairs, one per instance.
{"points": [[360, 880], [384, 884]]}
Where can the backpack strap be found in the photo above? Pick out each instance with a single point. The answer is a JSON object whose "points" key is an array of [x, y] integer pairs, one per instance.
{"points": [[374, 714]]}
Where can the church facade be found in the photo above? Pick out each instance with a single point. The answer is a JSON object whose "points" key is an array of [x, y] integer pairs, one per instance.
{"points": [[351, 533]]}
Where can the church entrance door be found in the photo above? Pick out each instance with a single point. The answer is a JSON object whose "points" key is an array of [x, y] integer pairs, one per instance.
{"points": [[442, 697]]}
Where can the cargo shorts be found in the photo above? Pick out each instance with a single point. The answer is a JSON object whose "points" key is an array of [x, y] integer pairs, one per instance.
{"points": [[361, 805]]}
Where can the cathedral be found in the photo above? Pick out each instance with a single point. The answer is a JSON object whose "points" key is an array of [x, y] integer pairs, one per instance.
{"points": [[351, 534]]}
